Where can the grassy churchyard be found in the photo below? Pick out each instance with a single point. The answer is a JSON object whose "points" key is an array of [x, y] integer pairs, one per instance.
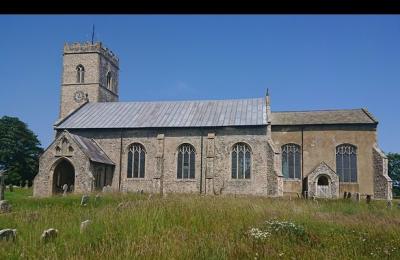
{"points": [[127, 226]]}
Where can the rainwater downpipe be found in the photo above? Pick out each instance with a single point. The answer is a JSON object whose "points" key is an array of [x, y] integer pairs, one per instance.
{"points": [[120, 163], [201, 162]]}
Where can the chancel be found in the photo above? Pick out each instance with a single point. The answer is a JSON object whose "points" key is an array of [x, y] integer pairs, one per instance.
{"points": [[211, 147]]}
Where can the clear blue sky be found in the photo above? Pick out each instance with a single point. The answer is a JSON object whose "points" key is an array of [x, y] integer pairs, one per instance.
{"points": [[307, 62]]}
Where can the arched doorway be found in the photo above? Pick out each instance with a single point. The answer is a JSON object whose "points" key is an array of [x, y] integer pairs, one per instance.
{"points": [[323, 187], [64, 173]]}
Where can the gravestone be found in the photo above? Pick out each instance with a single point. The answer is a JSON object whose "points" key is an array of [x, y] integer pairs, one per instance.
{"points": [[97, 198], [71, 188], [26, 184], [349, 195], [358, 197], [389, 204], [368, 198], [49, 234], [150, 196], [84, 225], [8, 234], [5, 206], [20, 184], [305, 194], [65, 189], [398, 205], [11, 188], [2, 185], [345, 195], [84, 200]]}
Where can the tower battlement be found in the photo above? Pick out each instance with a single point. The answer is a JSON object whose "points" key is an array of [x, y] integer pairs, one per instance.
{"points": [[88, 47]]}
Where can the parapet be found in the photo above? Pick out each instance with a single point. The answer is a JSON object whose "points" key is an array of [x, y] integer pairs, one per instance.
{"points": [[88, 47]]}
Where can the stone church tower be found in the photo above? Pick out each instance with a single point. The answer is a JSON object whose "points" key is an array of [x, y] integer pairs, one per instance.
{"points": [[90, 72]]}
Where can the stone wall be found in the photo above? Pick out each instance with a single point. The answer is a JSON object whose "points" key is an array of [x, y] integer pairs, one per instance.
{"points": [[382, 181], [319, 144], [213, 159]]}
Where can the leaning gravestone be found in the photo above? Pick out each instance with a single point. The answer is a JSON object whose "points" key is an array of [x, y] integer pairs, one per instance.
{"points": [[8, 234], [368, 199], [345, 195], [65, 189], [5, 206], [84, 200], [84, 225], [49, 234]]}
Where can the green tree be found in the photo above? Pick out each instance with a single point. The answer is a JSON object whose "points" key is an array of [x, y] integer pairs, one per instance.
{"points": [[394, 171], [19, 150]]}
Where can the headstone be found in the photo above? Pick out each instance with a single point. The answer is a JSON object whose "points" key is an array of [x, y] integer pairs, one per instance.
{"points": [[71, 188], [305, 194], [97, 198], [358, 197], [8, 234], [11, 188], [84, 200], [150, 196], [49, 234], [26, 184], [298, 195], [349, 195], [65, 189], [20, 184], [368, 199], [345, 195], [141, 191], [84, 225], [5, 206], [389, 204], [2, 186]]}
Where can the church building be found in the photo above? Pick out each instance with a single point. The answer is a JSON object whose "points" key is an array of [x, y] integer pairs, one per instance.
{"points": [[213, 147]]}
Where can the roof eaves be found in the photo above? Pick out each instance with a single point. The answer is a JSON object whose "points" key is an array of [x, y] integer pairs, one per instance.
{"points": [[58, 122], [369, 115]]}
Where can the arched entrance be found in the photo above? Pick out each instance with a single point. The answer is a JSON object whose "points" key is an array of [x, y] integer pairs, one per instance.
{"points": [[323, 187], [64, 173]]}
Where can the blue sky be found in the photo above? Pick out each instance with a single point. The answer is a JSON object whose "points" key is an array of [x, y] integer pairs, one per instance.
{"points": [[307, 61]]}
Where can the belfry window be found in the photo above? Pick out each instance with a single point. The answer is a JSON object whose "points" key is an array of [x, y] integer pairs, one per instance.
{"points": [[80, 74], [186, 162], [136, 161], [109, 80], [291, 163], [241, 161], [346, 162]]}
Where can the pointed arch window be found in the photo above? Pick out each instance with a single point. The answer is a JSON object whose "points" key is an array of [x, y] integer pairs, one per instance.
{"points": [[80, 74], [186, 162], [291, 162], [109, 80], [241, 161], [346, 162], [136, 161]]}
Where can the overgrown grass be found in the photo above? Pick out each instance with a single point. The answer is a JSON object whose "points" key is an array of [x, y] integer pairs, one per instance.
{"points": [[200, 227]]}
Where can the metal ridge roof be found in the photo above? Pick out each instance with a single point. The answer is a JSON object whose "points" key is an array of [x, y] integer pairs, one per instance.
{"points": [[196, 113]]}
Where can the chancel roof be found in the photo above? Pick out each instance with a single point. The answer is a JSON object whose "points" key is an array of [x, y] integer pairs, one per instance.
{"points": [[323, 117], [199, 113]]}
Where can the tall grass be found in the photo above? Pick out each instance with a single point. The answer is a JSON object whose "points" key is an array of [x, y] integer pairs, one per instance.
{"points": [[129, 226]]}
